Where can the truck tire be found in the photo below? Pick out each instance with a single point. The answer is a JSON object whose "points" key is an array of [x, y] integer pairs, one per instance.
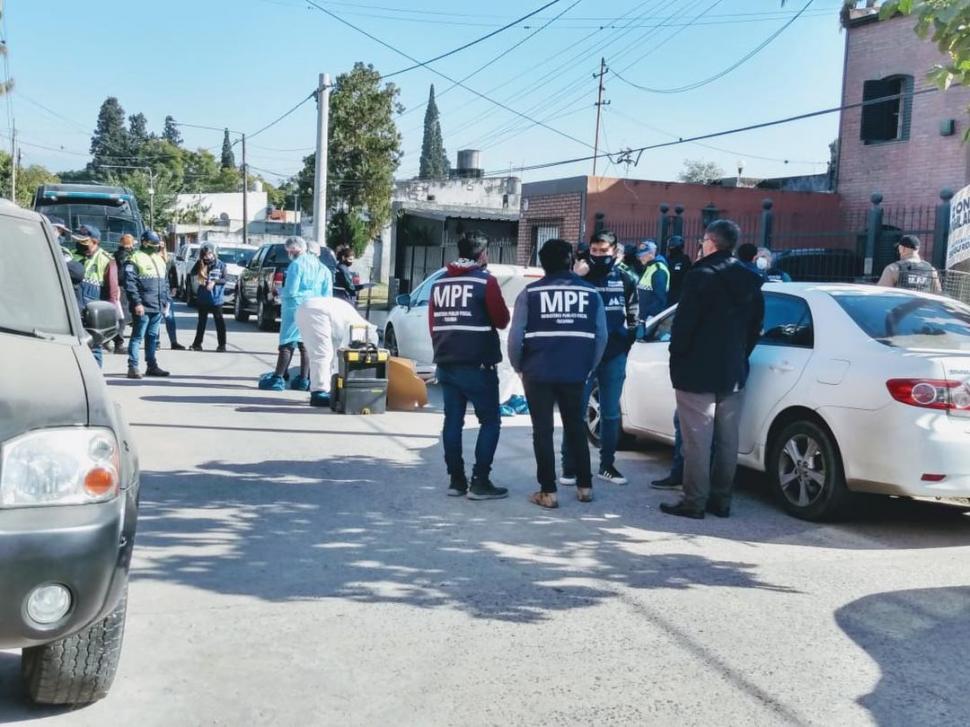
{"points": [[239, 308], [80, 668], [265, 320]]}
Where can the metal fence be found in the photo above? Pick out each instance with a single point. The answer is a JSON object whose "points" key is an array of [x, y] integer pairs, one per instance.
{"points": [[420, 261]]}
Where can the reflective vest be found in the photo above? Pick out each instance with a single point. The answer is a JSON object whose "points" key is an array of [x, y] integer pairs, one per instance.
{"points": [[652, 301], [915, 275], [461, 329], [146, 281], [560, 331], [95, 270], [646, 280]]}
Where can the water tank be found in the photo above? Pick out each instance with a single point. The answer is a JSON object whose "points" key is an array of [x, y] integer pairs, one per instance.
{"points": [[469, 163]]}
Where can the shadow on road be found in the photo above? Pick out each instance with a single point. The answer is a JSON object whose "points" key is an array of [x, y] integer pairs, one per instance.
{"points": [[14, 704], [919, 640]]}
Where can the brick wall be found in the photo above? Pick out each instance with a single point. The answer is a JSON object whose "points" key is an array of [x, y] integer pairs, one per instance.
{"points": [[562, 210], [910, 172]]}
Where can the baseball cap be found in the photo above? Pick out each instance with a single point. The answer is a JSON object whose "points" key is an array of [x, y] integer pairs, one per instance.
{"points": [[910, 241], [150, 236], [87, 232], [675, 241], [646, 246]]}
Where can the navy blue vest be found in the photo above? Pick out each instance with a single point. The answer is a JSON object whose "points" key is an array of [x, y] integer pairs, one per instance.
{"points": [[613, 293], [560, 332], [461, 331]]}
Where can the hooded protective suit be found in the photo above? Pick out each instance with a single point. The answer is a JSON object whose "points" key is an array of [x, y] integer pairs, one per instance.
{"points": [[325, 324]]}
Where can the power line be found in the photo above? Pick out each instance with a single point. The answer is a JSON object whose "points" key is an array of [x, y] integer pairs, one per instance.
{"points": [[727, 132], [698, 84], [282, 116], [443, 75], [485, 37]]}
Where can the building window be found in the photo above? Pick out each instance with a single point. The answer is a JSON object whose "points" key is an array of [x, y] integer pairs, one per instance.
{"points": [[540, 233], [887, 120]]}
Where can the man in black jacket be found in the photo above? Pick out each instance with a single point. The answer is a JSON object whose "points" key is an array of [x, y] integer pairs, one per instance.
{"points": [[679, 265], [717, 325]]}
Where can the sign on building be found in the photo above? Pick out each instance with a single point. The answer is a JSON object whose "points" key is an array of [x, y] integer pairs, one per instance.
{"points": [[958, 247]]}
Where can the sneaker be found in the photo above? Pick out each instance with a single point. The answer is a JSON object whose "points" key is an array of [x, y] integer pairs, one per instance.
{"points": [[133, 373], [681, 510], [221, 349], [567, 480], [458, 486], [483, 489], [195, 347], [667, 483], [156, 371], [178, 346], [611, 474]]}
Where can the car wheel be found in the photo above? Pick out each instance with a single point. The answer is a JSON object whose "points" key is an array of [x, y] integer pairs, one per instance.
{"points": [[805, 468], [185, 291], [80, 668], [594, 422], [390, 341], [239, 309], [264, 320]]}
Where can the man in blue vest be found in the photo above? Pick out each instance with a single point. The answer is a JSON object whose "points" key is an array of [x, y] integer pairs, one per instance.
{"points": [[618, 289], [556, 341], [100, 273], [465, 311], [146, 284]]}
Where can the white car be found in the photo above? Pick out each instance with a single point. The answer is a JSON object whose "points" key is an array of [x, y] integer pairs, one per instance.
{"points": [[406, 331], [184, 260], [853, 388]]}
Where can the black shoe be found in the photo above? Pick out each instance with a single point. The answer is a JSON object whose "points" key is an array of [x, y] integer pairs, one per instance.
{"points": [[611, 474], [121, 348], [195, 347], [133, 373], [682, 510], [156, 372], [458, 486], [221, 349], [178, 347], [719, 510], [483, 489], [667, 483]]}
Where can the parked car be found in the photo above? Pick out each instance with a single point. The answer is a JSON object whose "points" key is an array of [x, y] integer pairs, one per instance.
{"points": [[853, 388], [184, 260], [236, 258], [406, 331], [68, 476], [819, 265]]}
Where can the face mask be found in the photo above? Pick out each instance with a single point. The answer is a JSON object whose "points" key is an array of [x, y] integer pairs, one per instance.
{"points": [[149, 248], [601, 262], [81, 248], [762, 263]]}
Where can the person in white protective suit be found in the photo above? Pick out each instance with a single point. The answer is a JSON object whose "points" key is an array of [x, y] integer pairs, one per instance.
{"points": [[326, 325]]}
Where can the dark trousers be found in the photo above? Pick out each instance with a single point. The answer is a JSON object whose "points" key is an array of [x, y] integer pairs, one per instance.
{"points": [[543, 397], [460, 385], [216, 311]]}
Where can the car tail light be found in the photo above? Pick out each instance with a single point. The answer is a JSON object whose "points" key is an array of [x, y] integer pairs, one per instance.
{"points": [[278, 278], [931, 393]]}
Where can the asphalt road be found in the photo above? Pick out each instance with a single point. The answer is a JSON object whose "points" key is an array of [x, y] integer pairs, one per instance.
{"points": [[298, 567]]}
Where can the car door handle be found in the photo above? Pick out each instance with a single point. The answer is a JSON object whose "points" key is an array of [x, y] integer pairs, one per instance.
{"points": [[782, 368]]}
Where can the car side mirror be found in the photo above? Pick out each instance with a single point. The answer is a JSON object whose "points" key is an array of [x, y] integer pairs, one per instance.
{"points": [[100, 320], [403, 300]]}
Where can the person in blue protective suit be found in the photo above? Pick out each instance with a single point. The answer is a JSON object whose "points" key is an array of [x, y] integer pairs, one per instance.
{"points": [[146, 285], [305, 278], [210, 273], [100, 280]]}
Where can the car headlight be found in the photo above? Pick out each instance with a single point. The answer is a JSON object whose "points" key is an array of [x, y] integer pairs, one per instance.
{"points": [[62, 466]]}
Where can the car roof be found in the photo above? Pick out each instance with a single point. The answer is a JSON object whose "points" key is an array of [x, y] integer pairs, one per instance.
{"points": [[809, 290], [14, 210]]}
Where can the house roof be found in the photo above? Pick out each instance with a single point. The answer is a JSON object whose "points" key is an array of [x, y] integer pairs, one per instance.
{"points": [[444, 212]]}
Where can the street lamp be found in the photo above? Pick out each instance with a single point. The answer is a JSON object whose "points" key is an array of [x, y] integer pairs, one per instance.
{"points": [[740, 169], [151, 188]]}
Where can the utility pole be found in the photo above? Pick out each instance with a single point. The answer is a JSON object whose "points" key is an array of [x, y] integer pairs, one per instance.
{"points": [[320, 175], [600, 103], [13, 165], [245, 175]]}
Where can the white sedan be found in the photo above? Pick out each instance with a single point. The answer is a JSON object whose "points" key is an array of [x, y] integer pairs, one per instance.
{"points": [[853, 388], [406, 332]]}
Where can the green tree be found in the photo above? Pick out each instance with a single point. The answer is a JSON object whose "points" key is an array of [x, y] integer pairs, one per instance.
{"points": [[348, 227], [138, 130], [110, 135], [698, 171], [228, 158], [364, 150], [434, 159], [946, 23], [171, 133], [28, 179]]}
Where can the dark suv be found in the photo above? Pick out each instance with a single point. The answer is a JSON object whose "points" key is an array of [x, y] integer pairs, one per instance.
{"points": [[260, 285], [68, 475]]}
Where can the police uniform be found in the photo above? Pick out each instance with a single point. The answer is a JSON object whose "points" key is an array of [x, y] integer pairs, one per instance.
{"points": [[94, 284], [557, 338], [464, 309], [653, 294], [146, 285], [915, 275]]}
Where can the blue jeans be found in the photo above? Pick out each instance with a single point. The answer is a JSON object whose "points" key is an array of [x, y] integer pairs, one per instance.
{"points": [[170, 325], [460, 385], [144, 328], [98, 352], [610, 376]]}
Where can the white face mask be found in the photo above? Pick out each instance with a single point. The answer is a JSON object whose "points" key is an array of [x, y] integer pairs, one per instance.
{"points": [[762, 263]]}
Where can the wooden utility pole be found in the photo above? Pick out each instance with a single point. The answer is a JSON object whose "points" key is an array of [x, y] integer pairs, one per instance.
{"points": [[600, 103]]}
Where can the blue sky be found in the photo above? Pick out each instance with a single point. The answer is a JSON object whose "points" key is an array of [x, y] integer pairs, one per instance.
{"points": [[241, 63]]}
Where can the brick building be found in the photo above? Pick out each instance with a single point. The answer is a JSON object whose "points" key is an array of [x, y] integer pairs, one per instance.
{"points": [[571, 208], [907, 149]]}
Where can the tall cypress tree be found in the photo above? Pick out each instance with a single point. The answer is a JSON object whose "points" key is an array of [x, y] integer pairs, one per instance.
{"points": [[434, 158], [171, 132], [228, 158], [110, 135]]}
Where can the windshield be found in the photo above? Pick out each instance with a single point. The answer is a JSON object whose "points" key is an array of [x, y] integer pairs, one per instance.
{"points": [[237, 255], [113, 222], [32, 296], [908, 321]]}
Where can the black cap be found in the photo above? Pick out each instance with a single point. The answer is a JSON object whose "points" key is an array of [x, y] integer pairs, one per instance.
{"points": [[910, 241], [675, 241]]}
